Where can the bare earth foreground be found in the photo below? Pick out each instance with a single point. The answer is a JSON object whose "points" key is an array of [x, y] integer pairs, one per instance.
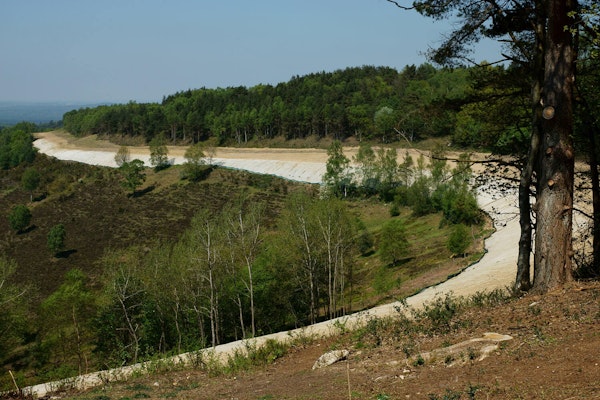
{"points": [[553, 353]]}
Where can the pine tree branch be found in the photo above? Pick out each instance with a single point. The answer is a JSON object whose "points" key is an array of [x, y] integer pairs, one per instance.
{"points": [[400, 5]]}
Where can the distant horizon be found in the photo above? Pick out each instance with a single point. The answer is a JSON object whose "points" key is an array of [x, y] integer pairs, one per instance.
{"points": [[109, 102], [44, 111], [114, 51], [38, 112]]}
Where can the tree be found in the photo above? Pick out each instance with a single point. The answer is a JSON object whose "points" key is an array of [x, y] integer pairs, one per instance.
{"points": [[316, 246], [122, 156], [540, 36], [556, 160], [12, 317], [133, 174], [244, 235], [337, 177], [206, 233], [121, 321], [19, 218], [30, 180], [393, 243], [367, 168], [159, 152], [65, 312], [56, 239], [21, 147], [337, 231], [459, 240], [387, 163], [384, 119], [195, 166]]}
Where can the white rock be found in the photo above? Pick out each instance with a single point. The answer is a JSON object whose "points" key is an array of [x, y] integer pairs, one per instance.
{"points": [[331, 358]]}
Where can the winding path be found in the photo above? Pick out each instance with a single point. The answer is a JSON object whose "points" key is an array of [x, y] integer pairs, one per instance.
{"points": [[495, 270]]}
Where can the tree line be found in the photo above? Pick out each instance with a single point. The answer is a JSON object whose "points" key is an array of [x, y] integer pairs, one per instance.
{"points": [[367, 102]]}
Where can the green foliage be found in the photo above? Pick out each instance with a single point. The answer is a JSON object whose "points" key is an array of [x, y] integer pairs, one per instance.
{"points": [[19, 218], [255, 356], [133, 174], [496, 117], [195, 167], [419, 197], [367, 102], [458, 204], [16, 145], [30, 180], [459, 240], [159, 152], [65, 315], [382, 283], [14, 306], [56, 238], [316, 249], [365, 241], [441, 314], [337, 178], [385, 119], [442, 190], [393, 242]]}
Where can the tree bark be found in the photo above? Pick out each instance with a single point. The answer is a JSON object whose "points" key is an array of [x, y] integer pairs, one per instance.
{"points": [[523, 279], [595, 268], [554, 205]]}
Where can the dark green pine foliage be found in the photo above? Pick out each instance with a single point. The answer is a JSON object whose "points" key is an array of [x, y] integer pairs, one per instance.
{"points": [[339, 104]]}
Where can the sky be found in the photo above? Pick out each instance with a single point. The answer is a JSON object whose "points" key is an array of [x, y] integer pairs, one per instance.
{"points": [[141, 50]]}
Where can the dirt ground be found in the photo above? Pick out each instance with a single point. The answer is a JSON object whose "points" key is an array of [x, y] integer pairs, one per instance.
{"points": [[553, 355]]}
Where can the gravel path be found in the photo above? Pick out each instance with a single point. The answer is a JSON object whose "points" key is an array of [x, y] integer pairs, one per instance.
{"points": [[496, 269]]}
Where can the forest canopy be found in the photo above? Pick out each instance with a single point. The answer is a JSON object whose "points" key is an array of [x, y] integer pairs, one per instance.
{"points": [[370, 103]]}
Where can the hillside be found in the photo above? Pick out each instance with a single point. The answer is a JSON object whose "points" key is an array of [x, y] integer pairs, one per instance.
{"points": [[98, 214], [553, 355], [383, 336]]}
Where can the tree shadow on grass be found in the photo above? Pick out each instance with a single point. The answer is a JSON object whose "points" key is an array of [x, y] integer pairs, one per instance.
{"points": [[140, 193], [399, 263], [65, 253], [30, 228]]}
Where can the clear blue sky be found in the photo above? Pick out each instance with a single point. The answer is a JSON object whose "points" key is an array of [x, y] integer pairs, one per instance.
{"points": [[140, 50]]}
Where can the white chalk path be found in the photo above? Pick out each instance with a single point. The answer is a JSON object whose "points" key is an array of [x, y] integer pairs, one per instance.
{"points": [[496, 269], [294, 170]]}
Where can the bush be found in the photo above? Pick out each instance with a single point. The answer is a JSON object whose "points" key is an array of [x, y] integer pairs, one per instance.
{"points": [[159, 153], [462, 208], [133, 174], [122, 156], [419, 197], [459, 240], [30, 180], [441, 314], [394, 209], [56, 238], [19, 218], [393, 244], [195, 167]]}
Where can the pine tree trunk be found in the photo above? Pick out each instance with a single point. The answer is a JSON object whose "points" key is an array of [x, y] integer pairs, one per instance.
{"points": [[595, 270], [523, 279], [554, 205]]}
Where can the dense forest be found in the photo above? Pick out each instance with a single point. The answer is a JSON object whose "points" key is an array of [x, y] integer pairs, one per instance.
{"points": [[377, 104]]}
